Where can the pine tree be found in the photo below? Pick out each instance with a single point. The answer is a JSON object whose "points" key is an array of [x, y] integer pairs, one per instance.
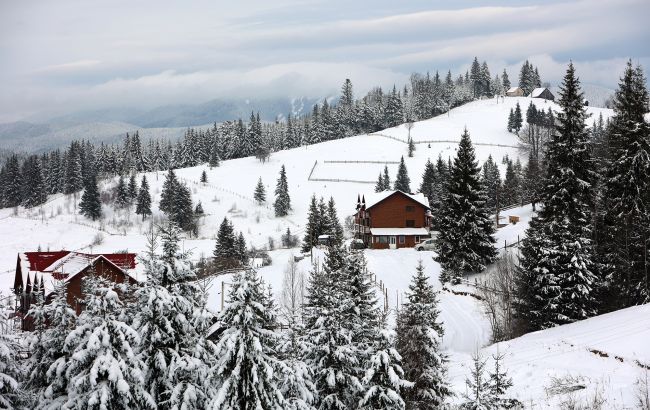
{"points": [[106, 374], [35, 190], [10, 373], [121, 193], [241, 251], [492, 182], [143, 206], [428, 180], [260, 192], [46, 367], [511, 186], [168, 190], [171, 322], [411, 147], [402, 181], [419, 334], [387, 183], [480, 395], [465, 242], [336, 230], [556, 278], [246, 350], [625, 243], [384, 378], [204, 177], [296, 384], [132, 189], [329, 331], [379, 186], [533, 179], [517, 119], [511, 121], [500, 383], [505, 80], [90, 205], [312, 230], [282, 202]]}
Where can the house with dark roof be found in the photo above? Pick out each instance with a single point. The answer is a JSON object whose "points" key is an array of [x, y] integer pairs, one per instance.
{"points": [[392, 219], [40, 272], [542, 92]]}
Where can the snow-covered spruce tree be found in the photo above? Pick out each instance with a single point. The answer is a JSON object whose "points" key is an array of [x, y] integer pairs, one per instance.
{"points": [[402, 181], [465, 241], [204, 177], [419, 334], [336, 229], [247, 360], [384, 379], [260, 192], [10, 372], [379, 186], [90, 205], [35, 192], [329, 334], [625, 241], [517, 119], [312, 230], [500, 383], [121, 193], [46, 378], [556, 279], [492, 182], [103, 371], [428, 180], [511, 121], [168, 189], [143, 204], [479, 395], [282, 204], [132, 188], [171, 321], [387, 184], [296, 384], [411, 147], [438, 192]]}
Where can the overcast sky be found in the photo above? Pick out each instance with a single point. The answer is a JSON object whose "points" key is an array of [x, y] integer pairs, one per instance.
{"points": [[66, 55]]}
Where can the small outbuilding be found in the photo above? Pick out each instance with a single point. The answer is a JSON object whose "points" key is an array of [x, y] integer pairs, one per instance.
{"points": [[542, 92], [515, 92]]}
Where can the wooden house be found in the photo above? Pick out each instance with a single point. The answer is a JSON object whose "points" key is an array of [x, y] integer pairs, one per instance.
{"points": [[542, 92], [515, 92], [41, 271], [392, 219]]}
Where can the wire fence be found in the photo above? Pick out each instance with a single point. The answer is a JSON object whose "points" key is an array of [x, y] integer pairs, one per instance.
{"points": [[442, 141]]}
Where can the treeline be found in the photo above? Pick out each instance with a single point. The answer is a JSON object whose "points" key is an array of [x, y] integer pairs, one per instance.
{"points": [[27, 181]]}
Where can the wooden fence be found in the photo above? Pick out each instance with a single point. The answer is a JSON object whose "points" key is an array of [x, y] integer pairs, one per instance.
{"points": [[441, 141]]}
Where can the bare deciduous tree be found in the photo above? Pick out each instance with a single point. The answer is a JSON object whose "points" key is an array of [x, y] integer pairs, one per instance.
{"points": [[293, 291], [498, 292]]}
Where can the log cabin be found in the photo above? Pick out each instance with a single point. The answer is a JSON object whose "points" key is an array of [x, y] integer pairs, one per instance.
{"points": [[392, 219], [41, 271]]}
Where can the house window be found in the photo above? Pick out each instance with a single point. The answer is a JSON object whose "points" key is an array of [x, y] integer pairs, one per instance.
{"points": [[417, 239], [410, 208], [383, 239], [410, 223], [402, 239]]}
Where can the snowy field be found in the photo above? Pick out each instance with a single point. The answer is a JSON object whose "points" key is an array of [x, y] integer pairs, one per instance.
{"points": [[531, 359]]}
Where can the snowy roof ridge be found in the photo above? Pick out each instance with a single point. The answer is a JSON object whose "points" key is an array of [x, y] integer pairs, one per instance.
{"points": [[376, 197], [538, 91]]}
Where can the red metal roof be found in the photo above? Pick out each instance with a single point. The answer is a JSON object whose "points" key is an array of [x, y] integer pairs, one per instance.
{"points": [[39, 261]]}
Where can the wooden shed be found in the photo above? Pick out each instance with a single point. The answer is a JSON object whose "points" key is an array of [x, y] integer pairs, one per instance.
{"points": [[515, 92], [542, 92]]}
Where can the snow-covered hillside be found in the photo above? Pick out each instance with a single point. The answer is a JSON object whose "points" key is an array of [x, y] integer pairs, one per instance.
{"points": [[325, 170]]}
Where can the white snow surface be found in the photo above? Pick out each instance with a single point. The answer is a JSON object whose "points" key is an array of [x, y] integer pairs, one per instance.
{"points": [[531, 359]]}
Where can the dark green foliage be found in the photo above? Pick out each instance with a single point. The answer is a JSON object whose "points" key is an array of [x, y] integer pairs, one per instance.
{"points": [[132, 188], [143, 205], [492, 182], [402, 181], [34, 189], [90, 205], [260, 192], [624, 243], [465, 242], [282, 204], [557, 278], [121, 193], [204, 177]]}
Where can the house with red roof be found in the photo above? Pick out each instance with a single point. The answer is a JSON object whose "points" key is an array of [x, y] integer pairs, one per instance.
{"points": [[42, 271]]}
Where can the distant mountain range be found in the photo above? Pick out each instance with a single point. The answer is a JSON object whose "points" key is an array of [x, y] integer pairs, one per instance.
{"points": [[169, 121]]}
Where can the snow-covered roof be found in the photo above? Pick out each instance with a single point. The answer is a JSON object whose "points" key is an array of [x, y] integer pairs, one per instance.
{"points": [[538, 91], [513, 89], [398, 231], [375, 198]]}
